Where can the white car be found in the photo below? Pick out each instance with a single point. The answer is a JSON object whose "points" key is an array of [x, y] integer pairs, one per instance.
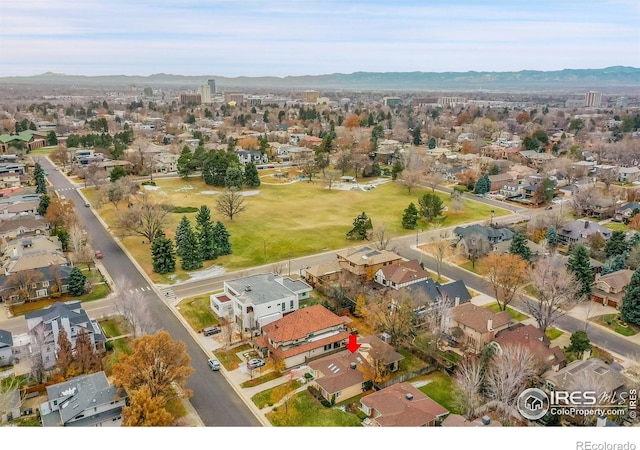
{"points": [[214, 364]]}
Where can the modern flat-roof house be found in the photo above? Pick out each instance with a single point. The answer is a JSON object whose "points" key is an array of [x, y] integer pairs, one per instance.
{"points": [[256, 300], [402, 405], [303, 335], [83, 401], [44, 326], [365, 261]]}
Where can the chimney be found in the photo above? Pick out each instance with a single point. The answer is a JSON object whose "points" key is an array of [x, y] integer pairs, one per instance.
{"points": [[457, 301], [352, 365], [489, 324], [586, 354], [586, 224], [526, 337], [409, 396]]}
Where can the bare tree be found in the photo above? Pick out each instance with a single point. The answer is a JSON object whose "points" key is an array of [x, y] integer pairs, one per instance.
{"points": [[230, 203], [8, 389], [557, 289], [226, 327], [410, 178], [330, 177], [77, 241], [475, 247], [433, 180], [582, 200], [145, 219], [380, 237], [508, 372], [38, 338], [457, 202], [589, 381], [309, 168], [468, 379], [392, 316], [436, 318], [441, 248], [21, 283], [130, 305]]}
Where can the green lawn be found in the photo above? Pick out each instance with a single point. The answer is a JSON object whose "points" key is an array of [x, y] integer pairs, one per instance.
{"points": [[305, 411], [410, 363], [616, 226], [440, 389], [229, 359], [262, 379], [303, 219], [275, 394], [197, 311], [613, 322], [469, 266], [553, 333], [120, 346], [115, 326], [516, 315]]}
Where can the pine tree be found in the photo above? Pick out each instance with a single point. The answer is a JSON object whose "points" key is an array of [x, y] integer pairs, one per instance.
{"points": [[519, 246], [45, 201], [410, 217], [630, 308], [615, 263], [616, 245], [190, 250], [204, 232], [163, 254], [233, 178], [77, 280], [580, 264], [221, 239], [552, 236], [483, 185], [39, 178], [251, 176], [181, 231], [361, 226]]}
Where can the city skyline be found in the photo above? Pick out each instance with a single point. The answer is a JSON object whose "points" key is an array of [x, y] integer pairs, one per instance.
{"points": [[281, 38]]}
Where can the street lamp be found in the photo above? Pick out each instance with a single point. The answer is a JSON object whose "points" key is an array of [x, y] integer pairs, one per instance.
{"points": [[493, 213]]}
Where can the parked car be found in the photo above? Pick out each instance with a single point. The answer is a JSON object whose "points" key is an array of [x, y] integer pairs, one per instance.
{"points": [[210, 331], [214, 364], [549, 207], [254, 363], [87, 204], [98, 254]]}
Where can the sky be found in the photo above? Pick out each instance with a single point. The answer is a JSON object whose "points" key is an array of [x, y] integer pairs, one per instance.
{"points": [[309, 37]]}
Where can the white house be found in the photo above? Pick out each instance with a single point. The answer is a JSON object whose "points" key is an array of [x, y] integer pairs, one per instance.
{"points": [[257, 300]]}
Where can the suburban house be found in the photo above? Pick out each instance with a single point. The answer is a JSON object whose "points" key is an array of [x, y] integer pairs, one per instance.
{"points": [[530, 337], [609, 289], [365, 261], [45, 282], [165, 162], [399, 275], [534, 159], [498, 181], [256, 157], [18, 208], [626, 211], [303, 335], [30, 139], [579, 230], [456, 420], [257, 300], [21, 226], [592, 370], [601, 208], [6, 348], [475, 326], [83, 401], [402, 405], [628, 174], [345, 374], [322, 273], [510, 190], [493, 235], [425, 294], [44, 326]]}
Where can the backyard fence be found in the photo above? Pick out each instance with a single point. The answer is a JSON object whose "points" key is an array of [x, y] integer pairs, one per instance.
{"points": [[405, 376]]}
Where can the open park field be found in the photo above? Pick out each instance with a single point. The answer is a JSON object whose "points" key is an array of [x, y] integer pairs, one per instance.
{"points": [[287, 220]]}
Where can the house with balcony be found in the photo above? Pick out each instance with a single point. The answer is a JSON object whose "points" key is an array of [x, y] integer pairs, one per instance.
{"points": [[578, 231], [303, 335], [256, 300], [83, 401], [363, 262], [256, 157], [628, 174]]}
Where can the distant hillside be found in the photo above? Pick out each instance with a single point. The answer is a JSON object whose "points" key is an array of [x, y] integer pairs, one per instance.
{"points": [[522, 81]]}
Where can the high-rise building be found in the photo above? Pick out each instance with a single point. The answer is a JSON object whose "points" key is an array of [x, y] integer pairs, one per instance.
{"points": [[592, 99], [237, 97], [310, 96], [190, 99], [392, 101], [205, 94], [212, 86]]}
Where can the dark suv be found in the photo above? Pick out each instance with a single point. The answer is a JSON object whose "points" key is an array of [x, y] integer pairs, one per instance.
{"points": [[210, 331]]}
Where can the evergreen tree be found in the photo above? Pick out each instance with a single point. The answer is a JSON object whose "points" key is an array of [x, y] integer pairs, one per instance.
{"points": [[616, 245], [432, 142], [191, 257], [431, 206], [221, 239], [233, 178], [580, 264], [77, 280], [251, 176], [205, 233], [185, 163], [376, 171], [410, 217], [116, 173], [39, 178], [361, 226], [630, 308], [615, 263], [396, 170], [181, 232], [552, 236], [163, 254], [483, 185], [51, 138], [45, 201], [519, 246], [417, 135]]}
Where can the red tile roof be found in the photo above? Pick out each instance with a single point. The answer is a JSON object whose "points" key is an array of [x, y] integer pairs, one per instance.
{"points": [[299, 324]]}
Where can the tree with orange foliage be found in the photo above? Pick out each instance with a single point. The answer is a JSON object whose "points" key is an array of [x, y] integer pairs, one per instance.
{"points": [[145, 410], [634, 223], [352, 121], [506, 274], [463, 118], [523, 117], [60, 213], [249, 143]]}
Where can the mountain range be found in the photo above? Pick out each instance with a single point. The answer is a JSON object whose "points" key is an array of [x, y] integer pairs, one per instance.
{"points": [[615, 77]]}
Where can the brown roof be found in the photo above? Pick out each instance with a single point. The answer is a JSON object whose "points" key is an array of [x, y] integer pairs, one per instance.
{"points": [[617, 280], [378, 350], [22, 206], [367, 256], [404, 272], [27, 222], [477, 317], [283, 354], [396, 410], [324, 269], [337, 373], [456, 420], [299, 324], [535, 340]]}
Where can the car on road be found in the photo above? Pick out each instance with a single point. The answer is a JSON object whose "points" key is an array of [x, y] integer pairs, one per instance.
{"points": [[87, 204], [210, 331], [98, 254], [549, 207], [214, 364], [254, 363]]}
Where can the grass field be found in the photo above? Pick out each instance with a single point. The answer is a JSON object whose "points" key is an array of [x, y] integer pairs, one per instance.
{"points": [[516, 315], [616, 226], [553, 333], [305, 411], [229, 358], [275, 394], [440, 389], [286, 220], [197, 312], [98, 291], [612, 321]]}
